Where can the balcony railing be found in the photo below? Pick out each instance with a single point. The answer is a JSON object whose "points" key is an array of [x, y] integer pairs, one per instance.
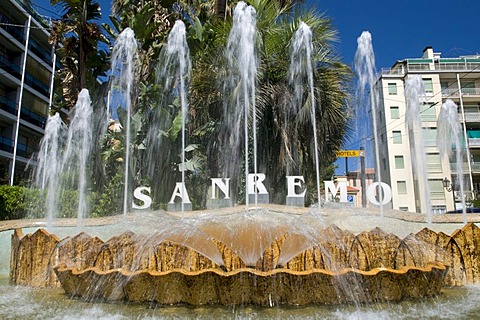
{"points": [[32, 117], [26, 114], [10, 67], [8, 25], [471, 116], [22, 150], [460, 66], [464, 167], [8, 105], [43, 54], [474, 142]]}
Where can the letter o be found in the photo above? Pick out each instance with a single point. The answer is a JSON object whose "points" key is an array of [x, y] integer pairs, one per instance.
{"points": [[386, 191]]}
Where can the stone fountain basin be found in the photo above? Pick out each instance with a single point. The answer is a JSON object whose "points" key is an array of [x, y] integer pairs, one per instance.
{"points": [[248, 286]]}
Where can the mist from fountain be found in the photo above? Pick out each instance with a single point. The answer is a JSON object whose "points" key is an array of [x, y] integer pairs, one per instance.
{"points": [[450, 134], [415, 96], [78, 149], [49, 164], [123, 60], [364, 65], [175, 72], [301, 72], [240, 88]]}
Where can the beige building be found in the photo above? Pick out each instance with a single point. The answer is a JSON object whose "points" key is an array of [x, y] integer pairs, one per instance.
{"points": [[25, 82], [457, 79]]}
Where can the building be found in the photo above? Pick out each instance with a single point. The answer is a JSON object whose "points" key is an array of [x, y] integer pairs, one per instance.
{"points": [[25, 86], [355, 182], [452, 78]]}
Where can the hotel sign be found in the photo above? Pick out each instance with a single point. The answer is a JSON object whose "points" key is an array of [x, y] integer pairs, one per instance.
{"points": [[350, 153]]}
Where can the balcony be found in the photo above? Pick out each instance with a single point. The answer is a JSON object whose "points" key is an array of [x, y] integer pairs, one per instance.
{"points": [[474, 142], [22, 150], [471, 116], [464, 168], [33, 118], [43, 54], [26, 114], [10, 67], [8, 26], [8, 105]]}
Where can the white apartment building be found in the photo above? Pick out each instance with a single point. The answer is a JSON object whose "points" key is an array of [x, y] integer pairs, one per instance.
{"points": [[457, 79]]}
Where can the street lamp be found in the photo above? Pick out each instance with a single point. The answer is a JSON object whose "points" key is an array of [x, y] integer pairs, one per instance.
{"points": [[447, 184], [449, 187]]}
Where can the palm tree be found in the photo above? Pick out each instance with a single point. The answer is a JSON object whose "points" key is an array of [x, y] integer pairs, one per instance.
{"points": [[284, 142], [76, 37]]}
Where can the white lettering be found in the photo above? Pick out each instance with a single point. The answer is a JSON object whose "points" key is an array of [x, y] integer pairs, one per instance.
{"points": [[256, 182], [138, 194], [180, 191], [387, 193], [341, 185], [295, 181], [222, 184]]}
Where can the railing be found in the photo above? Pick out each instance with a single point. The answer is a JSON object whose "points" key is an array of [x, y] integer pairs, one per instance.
{"points": [[13, 69], [9, 66], [474, 142], [8, 105], [26, 114], [8, 25], [460, 66], [464, 167], [32, 117], [36, 84], [43, 54], [22, 150], [471, 116], [471, 91]]}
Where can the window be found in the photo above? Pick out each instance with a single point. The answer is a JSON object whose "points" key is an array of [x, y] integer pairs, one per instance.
{"points": [[394, 112], [402, 187], [428, 84], [433, 162], [384, 161], [429, 137], [397, 137], [427, 112], [403, 208], [445, 88], [399, 162], [392, 88], [437, 192]]}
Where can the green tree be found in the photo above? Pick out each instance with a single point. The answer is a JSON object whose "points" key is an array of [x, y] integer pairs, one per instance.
{"points": [[76, 37]]}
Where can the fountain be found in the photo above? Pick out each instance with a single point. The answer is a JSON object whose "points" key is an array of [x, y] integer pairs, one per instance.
{"points": [[271, 255], [415, 95], [449, 133], [367, 96]]}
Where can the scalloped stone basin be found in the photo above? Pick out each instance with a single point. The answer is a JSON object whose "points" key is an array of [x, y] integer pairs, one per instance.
{"points": [[253, 287]]}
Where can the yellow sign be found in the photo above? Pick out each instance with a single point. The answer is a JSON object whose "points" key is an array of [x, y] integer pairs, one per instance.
{"points": [[350, 153]]}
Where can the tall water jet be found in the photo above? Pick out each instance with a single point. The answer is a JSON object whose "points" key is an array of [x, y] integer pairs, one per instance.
{"points": [[124, 57], [49, 164], [449, 134], [242, 67], [301, 72], [176, 71], [415, 95], [78, 149], [366, 72]]}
